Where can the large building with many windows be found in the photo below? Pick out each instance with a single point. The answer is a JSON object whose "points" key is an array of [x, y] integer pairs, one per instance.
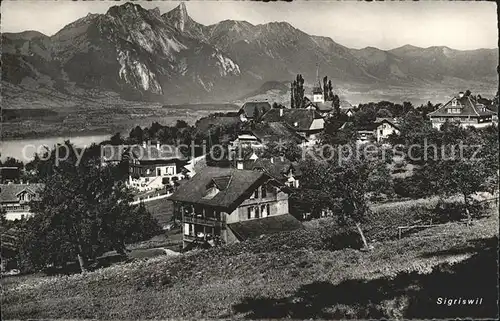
{"points": [[227, 205], [15, 199], [150, 166], [463, 109]]}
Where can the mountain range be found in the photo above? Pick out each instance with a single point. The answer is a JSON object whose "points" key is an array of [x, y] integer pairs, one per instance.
{"points": [[143, 55]]}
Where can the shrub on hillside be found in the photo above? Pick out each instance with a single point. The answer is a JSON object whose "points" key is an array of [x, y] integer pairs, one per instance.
{"points": [[445, 212], [341, 238], [411, 186]]}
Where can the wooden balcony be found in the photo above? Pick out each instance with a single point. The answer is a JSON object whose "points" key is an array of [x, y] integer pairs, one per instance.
{"points": [[213, 222]]}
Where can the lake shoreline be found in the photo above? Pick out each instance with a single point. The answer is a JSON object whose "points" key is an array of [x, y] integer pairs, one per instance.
{"points": [[48, 135], [25, 149]]}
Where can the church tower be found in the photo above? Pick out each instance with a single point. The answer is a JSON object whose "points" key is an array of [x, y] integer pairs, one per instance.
{"points": [[318, 90]]}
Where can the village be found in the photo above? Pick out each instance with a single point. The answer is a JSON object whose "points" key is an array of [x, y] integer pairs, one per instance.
{"points": [[304, 160], [250, 191], [269, 183]]}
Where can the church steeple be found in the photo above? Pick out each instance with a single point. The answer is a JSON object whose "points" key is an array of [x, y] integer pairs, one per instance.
{"points": [[318, 89]]}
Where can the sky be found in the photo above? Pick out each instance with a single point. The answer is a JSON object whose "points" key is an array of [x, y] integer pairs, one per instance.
{"points": [[457, 24]]}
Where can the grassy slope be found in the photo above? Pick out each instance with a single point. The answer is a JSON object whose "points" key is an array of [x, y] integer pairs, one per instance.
{"points": [[288, 275], [161, 209]]}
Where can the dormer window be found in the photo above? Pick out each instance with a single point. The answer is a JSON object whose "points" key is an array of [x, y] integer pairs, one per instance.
{"points": [[211, 192], [454, 102]]}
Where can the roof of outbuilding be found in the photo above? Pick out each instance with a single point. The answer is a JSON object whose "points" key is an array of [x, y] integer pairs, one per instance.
{"points": [[275, 131], [303, 117], [324, 107], [239, 184], [9, 192], [244, 230], [277, 167], [249, 108], [344, 104], [394, 122], [139, 152]]}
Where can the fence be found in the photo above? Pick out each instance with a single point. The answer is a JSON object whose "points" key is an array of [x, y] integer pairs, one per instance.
{"points": [[409, 227]]}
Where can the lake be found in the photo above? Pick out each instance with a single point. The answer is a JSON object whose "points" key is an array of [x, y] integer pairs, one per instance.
{"points": [[25, 149]]}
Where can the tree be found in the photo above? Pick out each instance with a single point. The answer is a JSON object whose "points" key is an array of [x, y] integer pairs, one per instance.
{"points": [[136, 135], [335, 135], [458, 167], [287, 149], [384, 113], [83, 212], [116, 139], [342, 186], [336, 104], [297, 95], [181, 124]]}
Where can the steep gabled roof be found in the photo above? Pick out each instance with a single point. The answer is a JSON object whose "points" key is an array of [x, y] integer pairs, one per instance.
{"points": [[468, 107], [344, 104], [249, 108], [323, 107], [300, 116], [152, 152], [391, 121], [277, 168], [238, 185], [9, 192], [276, 131]]}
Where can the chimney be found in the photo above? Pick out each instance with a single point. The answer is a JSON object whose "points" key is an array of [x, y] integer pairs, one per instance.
{"points": [[158, 144], [144, 144], [281, 112], [239, 164], [461, 94], [272, 160]]}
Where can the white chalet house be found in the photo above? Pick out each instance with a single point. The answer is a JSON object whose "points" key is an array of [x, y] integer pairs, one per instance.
{"points": [[464, 109], [15, 199], [227, 205]]}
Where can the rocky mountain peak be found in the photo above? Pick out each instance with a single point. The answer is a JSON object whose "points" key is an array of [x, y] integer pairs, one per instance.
{"points": [[178, 17], [155, 11]]}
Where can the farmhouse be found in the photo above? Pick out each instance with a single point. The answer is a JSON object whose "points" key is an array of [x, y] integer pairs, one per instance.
{"points": [[307, 123], [280, 168], [346, 108], [227, 205], [150, 166], [464, 109], [385, 128], [323, 108], [253, 110], [261, 134], [15, 199]]}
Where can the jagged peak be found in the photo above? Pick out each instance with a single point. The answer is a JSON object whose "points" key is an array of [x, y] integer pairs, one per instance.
{"points": [[182, 9], [178, 16], [127, 7], [155, 11]]}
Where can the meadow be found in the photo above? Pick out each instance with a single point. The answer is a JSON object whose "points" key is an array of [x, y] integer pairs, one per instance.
{"points": [[287, 275]]}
